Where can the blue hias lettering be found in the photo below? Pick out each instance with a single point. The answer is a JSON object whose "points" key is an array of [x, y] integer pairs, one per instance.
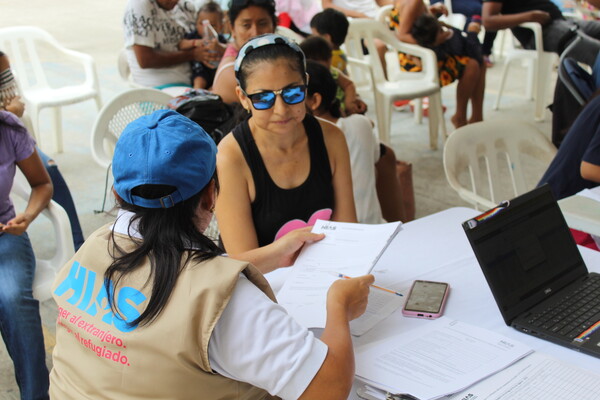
{"points": [[80, 286]]}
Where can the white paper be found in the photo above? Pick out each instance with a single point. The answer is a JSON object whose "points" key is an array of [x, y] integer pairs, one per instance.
{"points": [[381, 305], [441, 358], [536, 377], [349, 249], [593, 194]]}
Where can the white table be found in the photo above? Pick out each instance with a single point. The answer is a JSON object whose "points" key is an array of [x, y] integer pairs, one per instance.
{"points": [[436, 248], [581, 213]]}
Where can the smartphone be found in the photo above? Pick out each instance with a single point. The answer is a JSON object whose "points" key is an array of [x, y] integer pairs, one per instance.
{"points": [[426, 299]]}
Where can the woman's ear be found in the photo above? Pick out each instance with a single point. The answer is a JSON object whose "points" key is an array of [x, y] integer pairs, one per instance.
{"points": [[209, 197], [244, 100]]}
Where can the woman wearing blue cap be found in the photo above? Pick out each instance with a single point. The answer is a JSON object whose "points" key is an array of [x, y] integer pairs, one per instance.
{"points": [[148, 307], [281, 169]]}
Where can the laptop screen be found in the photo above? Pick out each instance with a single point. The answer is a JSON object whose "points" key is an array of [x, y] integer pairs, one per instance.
{"points": [[525, 251]]}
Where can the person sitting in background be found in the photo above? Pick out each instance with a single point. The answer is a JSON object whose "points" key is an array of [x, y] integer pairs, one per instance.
{"points": [[153, 275], [20, 322], [469, 71], [281, 168], [472, 10], [203, 74], [11, 101], [318, 49], [373, 164], [576, 165], [248, 19], [556, 30], [361, 9], [153, 28], [332, 25]]}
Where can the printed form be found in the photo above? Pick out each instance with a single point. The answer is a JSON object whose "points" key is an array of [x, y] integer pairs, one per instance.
{"points": [[441, 358], [349, 249], [536, 377]]}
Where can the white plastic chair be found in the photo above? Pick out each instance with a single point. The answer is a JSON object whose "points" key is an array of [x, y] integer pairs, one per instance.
{"points": [[540, 65], [404, 86], [494, 157], [125, 70], [288, 33], [46, 269], [119, 112], [26, 47]]}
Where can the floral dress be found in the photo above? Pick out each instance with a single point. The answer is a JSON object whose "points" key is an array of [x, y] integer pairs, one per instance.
{"points": [[450, 67]]}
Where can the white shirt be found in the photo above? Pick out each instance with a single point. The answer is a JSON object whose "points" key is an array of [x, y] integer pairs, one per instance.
{"points": [[145, 23], [256, 341], [363, 147], [367, 7]]}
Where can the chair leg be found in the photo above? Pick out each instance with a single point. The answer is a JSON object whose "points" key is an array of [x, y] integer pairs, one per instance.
{"points": [[58, 140], [502, 82], [436, 114], [35, 122], [544, 69], [98, 101], [418, 110]]}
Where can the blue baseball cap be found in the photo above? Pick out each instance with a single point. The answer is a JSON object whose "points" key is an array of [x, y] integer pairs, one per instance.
{"points": [[163, 148]]}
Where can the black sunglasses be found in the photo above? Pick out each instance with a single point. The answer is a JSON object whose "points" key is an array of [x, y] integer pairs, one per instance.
{"points": [[265, 100]]}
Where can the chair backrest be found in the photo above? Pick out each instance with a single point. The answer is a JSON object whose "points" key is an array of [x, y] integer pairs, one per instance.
{"points": [[46, 269], [119, 112], [487, 162], [125, 70], [363, 31]]}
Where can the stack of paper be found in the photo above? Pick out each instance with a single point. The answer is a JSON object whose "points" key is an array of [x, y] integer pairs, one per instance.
{"points": [[348, 249], [441, 358]]}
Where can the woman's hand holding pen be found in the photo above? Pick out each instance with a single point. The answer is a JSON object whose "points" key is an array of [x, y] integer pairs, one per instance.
{"points": [[351, 295]]}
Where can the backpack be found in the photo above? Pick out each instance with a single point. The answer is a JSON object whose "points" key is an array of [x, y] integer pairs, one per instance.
{"points": [[208, 110]]}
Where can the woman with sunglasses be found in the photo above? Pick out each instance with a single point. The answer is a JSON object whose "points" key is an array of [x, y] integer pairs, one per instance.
{"points": [[280, 169], [247, 19]]}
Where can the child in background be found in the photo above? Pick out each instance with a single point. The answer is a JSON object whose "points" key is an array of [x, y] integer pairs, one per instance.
{"points": [[203, 74], [317, 48], [332, 25]]}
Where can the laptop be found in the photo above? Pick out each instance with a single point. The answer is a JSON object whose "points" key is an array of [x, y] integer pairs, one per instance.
{"points": [[535, 271]]}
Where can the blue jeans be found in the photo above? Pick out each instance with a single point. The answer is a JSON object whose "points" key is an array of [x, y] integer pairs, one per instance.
{"points": [[20, 322], [62, 195]]}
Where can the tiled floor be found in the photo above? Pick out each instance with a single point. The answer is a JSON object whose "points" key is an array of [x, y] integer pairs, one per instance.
{"points": [[94, 27]]}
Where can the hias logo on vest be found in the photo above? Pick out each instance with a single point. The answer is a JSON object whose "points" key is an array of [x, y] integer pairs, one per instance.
{"points": [[88, 292]]}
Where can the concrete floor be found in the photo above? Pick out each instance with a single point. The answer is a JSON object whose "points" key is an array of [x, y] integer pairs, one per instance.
{"points": [[95, 28]]}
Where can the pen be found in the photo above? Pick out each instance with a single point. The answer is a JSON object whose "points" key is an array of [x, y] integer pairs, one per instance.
{"points": [[373, 286]]}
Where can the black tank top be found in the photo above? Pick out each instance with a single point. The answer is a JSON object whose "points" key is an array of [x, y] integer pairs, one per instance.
{"points": [[277, 211]]}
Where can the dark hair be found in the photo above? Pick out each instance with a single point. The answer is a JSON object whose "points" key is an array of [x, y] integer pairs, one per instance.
{"points": [[425, 30], [270, 53], [320, 81], [333, 22], [170, 241], [210, 7], [316, 48], [237, 6]]}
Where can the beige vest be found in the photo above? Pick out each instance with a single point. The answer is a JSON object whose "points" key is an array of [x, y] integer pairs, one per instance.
{"points": [[98, 356]]}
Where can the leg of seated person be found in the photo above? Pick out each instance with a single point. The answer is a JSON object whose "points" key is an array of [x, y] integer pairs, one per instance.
{"points": [[388, 187], [381, 50], [20, 322], [477, 97], [464, 91], [62, 195]]}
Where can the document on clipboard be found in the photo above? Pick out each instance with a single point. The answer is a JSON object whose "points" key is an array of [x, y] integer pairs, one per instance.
{"points": [[348, 248], [440, 358]]}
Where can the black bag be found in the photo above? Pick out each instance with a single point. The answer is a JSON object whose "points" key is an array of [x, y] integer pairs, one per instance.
{"points": [[207, 110]]}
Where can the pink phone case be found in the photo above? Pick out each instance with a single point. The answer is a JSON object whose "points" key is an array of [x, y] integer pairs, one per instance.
{"points": [[422, 313]]}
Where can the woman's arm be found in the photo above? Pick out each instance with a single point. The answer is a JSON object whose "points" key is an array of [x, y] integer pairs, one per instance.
{"points": [[233, 209], [225, 82], [41, 193], [493, 19], [339, 158], [409, 12], [590, 172]]}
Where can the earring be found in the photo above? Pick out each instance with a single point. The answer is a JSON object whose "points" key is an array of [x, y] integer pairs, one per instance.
{"points": [[212, 210]]}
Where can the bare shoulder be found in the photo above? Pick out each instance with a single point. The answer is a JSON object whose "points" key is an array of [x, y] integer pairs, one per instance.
{"points": [[331, 132], [230, 153]]}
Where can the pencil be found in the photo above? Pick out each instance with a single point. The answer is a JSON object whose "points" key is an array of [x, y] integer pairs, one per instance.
{"points": [[373, 286]]}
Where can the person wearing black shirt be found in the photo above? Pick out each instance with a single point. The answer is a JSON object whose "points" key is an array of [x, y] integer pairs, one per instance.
{"points": [[557, 31]]}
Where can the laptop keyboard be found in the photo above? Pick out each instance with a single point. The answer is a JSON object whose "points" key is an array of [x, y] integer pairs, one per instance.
{"points": [[575, 313]]}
